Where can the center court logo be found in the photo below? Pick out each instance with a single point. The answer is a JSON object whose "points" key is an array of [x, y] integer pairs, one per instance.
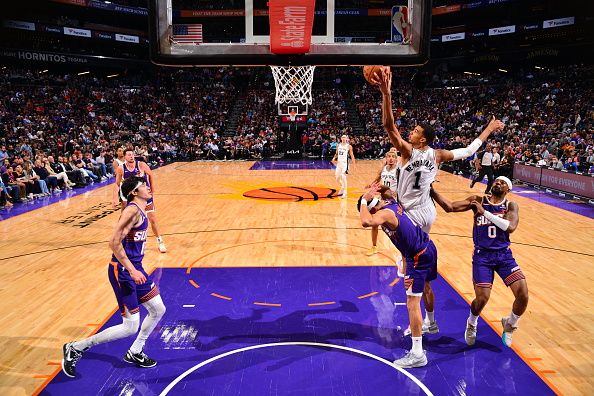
{"points": [[292, 193]]}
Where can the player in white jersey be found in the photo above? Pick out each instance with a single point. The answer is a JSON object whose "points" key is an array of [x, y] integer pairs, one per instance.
{"points": [[419, 162], [387, 176], [119, 159], [341, 161], [418, 168]]}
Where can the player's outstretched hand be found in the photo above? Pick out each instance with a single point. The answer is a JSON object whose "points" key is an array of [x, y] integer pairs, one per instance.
{"points": [[383, 80], [478, 206], [495, 124]]}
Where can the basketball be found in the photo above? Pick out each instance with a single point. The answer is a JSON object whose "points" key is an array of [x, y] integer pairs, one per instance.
{"points": [[370, 71]]}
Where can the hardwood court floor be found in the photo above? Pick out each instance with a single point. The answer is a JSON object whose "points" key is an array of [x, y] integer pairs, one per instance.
{"points": [[53, 265]]}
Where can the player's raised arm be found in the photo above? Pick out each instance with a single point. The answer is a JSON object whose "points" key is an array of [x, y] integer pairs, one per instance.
{"points": [[380, 217], [465, 152], [385, 85]]}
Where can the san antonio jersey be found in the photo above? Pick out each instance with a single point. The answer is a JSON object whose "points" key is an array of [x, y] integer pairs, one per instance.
{"points": [[415, 178], [389, 178]]}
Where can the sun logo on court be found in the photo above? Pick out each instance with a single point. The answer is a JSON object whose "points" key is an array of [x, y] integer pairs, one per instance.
{"points": [[292, 193]]}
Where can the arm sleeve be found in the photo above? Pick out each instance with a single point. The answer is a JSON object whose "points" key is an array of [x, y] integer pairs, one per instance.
{"points": [[467, 151], [497, 221]]}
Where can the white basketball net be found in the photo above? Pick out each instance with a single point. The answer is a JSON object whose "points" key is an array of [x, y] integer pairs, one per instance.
{"points": [[293, 84]]}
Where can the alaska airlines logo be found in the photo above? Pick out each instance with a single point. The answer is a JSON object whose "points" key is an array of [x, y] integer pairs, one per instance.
{"points": [[292, 193]]}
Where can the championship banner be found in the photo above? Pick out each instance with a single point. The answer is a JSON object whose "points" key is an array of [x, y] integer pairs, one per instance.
{"points": [[291, 24], [400, 25]]}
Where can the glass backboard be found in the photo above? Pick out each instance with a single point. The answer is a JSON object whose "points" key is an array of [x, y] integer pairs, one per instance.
{"points": [[237, 32]]}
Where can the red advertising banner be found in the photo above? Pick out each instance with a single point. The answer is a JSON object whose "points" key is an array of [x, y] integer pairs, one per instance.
{"points": [[379, 12], [446, 9], [291, 23], [211, 13]]}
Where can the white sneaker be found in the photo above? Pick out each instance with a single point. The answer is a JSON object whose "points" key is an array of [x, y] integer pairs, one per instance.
{"points": [[410, 360], [430, 328], [162, 247], [470, 333], [508, 330]]}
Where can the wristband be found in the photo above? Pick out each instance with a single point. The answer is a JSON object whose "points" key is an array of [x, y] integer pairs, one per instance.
{"points": [[363, 201]]}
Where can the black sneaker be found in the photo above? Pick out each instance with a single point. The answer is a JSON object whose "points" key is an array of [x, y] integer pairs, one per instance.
{"points": [[139, 359], [71, 357]]}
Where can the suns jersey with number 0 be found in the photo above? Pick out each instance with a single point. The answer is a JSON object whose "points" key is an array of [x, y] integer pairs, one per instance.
{"points": [[389, 178], [342, 153], [484, 233], [134, 241], [415, 178]]}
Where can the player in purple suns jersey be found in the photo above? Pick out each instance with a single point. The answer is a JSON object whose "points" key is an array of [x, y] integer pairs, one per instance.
{"points": [[131, 167], [495, 217], [419, 254], [130, 282]]}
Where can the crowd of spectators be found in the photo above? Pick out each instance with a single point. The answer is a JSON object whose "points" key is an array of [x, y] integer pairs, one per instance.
{"points": [[79, 121]]}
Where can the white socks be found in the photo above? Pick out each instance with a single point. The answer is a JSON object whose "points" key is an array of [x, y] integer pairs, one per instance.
{"points": [[156, 310], [472, 319], [513, 319], [429, 317], [417, 345], [128, 327]]}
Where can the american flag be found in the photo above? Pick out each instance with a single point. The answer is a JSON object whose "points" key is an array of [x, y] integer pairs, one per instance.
{"points": [[187, 34]]}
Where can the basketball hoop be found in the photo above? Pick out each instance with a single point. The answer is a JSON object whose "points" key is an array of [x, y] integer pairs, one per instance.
{"points": [[293, 85]]}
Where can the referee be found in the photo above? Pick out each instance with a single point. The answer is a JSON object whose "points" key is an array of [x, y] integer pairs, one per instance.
{"points": [[485, 168]]}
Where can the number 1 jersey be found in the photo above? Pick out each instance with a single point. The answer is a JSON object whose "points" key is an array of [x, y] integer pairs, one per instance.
{"points": [[415, 178]]}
